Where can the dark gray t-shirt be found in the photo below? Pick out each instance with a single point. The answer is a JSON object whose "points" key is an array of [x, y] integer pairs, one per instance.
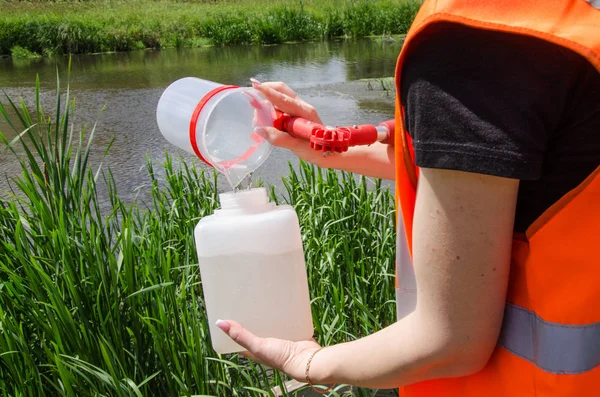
{"points": [[506, 105]]}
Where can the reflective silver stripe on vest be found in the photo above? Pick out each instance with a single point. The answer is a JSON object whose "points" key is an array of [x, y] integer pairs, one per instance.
{"points": [[553, 347], [594, 3]]}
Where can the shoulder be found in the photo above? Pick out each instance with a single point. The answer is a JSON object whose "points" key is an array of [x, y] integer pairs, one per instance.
{"points": [[484, 101]]}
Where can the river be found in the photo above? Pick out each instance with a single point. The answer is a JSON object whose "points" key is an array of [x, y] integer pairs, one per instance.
{"points": [[128, 85]]}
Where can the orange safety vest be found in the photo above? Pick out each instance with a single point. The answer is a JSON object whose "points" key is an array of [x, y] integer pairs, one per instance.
{"points": [[549, 344]]}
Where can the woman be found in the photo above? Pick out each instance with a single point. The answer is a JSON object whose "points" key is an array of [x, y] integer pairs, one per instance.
{"points": [[499, 108]]}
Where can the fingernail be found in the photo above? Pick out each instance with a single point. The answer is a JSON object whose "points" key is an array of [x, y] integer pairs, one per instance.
{"points": [[224, 325], [261, 132], [255, 83]]}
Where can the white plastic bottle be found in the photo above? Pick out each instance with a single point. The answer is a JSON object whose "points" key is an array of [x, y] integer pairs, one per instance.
{"points": [[252, 269]]}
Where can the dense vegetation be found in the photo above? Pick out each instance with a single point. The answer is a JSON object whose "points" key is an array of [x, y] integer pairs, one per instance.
{"points": [[109, 303], [48, 28]]}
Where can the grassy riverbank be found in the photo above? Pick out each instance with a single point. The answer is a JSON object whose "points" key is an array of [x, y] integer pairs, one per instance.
{"points": [[110, 303], [48, 28]]}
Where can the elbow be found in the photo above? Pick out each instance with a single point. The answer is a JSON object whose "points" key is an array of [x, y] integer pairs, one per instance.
{"points": [[467, 365], [460, 358]]}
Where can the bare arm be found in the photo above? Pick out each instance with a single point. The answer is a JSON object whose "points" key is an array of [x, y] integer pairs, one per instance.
{"points": [[462, 242], [376, 160]]}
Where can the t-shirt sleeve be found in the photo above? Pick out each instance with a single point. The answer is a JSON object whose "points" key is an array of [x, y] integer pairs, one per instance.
{"points": [[479, 101]]}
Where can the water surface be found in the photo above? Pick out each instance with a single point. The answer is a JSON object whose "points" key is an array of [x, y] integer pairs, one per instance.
{"points": [[128, 87]]}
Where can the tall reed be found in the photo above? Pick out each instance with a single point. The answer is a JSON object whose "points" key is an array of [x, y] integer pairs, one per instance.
{"points": [[109, 303]]}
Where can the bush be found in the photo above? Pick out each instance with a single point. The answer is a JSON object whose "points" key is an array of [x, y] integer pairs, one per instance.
{"points": [[19, 52]]}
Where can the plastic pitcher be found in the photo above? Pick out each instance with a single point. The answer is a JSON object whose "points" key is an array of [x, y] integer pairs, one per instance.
{"points": [[216, 123], [253, 270]]}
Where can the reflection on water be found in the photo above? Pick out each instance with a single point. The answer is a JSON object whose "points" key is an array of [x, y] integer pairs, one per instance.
{"points": [[130, 84]]}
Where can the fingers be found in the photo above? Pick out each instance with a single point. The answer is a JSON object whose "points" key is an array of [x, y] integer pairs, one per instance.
{"points": [[286, 100], [252, 343], [240, 335], [278, 138], [284, 355], [276, 85], [299, 147]]}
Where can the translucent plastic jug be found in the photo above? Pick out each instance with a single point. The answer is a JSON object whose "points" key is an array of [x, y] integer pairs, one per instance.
{"points": [[216, 122], [252, 269]]}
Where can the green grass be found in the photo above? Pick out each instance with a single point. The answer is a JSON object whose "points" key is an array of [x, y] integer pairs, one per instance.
{"points": [[50, 28], [109, 303]]}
